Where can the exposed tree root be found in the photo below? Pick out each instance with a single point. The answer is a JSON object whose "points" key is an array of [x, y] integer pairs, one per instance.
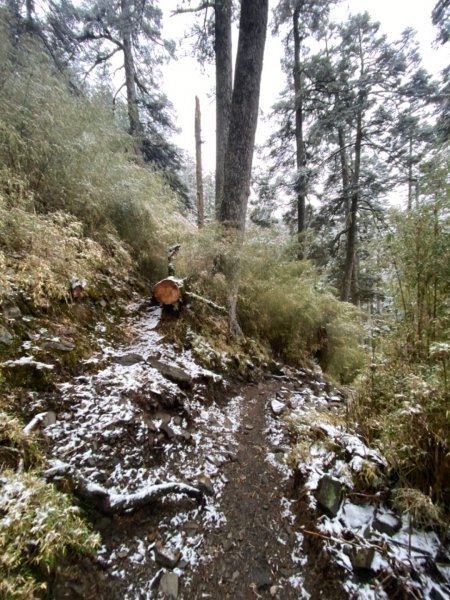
{"points": [[110, 503]]}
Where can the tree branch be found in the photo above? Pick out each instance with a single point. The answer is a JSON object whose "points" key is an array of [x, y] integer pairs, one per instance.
{"points": [[200, 7]]}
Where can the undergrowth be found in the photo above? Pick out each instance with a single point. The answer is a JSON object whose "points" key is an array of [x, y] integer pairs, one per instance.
{"points": [[39, 525], [281, 301]]}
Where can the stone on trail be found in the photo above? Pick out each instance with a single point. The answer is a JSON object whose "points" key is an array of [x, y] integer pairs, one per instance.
{"points": [[166, 557], [261, 574], [277, 407], [174, 374], [205, 484], [169, 585], [329, 495], [128, 360]]}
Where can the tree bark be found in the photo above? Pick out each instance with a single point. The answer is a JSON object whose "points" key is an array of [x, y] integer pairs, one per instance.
{"points": [[244, 112], [300, 148], [224, 88], [352, 224], [241, 141], [130, 72], [198, 165]]}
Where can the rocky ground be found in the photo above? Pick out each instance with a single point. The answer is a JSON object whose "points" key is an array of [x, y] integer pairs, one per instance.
{"points": [[283, 515]]}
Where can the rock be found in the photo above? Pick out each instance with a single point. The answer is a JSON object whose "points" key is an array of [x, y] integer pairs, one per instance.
{"points": [[249, 427], [164, 417], [6, 337], [61, 345], [167, 431], [175, 374], [329, 495], [277, 407], [205, 484], [166, 557], [127, 360], [273, 591], [123, 553], [387, 523], [169, 585], [48, 418], [362, 559], [261, 574], [11, 312]]}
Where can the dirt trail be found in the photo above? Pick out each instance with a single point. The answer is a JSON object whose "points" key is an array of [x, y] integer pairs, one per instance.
{"points": [[252, 554]]}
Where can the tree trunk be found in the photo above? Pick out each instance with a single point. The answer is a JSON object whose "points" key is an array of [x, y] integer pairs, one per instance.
{"points": [[352, 224], [300, 148], [241, 140], [198, 164], [130, 72], [224, 87], [244, 112]]}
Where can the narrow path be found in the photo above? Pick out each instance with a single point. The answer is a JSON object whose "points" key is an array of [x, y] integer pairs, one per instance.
{"points": [[252, 554]]}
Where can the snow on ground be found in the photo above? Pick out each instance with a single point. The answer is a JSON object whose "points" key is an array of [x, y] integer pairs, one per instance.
{"points": [[402, 552], [126, 426]]}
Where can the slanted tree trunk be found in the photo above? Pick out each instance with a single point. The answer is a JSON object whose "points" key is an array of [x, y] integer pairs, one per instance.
{"points": [[224, 87], [198, 164], [300, 147], [241, 139]]}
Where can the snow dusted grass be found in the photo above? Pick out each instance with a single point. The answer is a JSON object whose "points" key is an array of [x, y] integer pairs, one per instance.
{"points": [[38, 526]]}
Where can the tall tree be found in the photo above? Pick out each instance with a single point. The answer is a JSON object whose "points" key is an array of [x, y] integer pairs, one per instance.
{"points": [[241, 137], [214, 43], [198, 164]]}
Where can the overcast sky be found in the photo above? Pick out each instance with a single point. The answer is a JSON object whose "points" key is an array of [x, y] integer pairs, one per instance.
{"points": [[184, 78]]}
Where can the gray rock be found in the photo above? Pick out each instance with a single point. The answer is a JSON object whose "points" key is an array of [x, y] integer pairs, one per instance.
{"points": [[127, 360], [205, 484], [166, 557], [169, 585], [168, 431], [387, 523], [6, 337], [277, 407], [175, 374], [49, 418], [329, 495], [362, 559], [11, 312], [61, 345], [261, 574]]}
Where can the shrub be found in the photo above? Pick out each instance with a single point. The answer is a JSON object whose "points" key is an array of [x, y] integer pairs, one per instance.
{"points": [[280, 302], [38, 526]]}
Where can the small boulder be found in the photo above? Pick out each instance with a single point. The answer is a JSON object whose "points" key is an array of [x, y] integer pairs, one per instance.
{"points": [[166, 557], [6, 337], [329, 495], [205, 484], [128, 360], [174, 374], [362, 559], [169, 585], [387, 523], [61, 345], [277, 407], [11, 312]]}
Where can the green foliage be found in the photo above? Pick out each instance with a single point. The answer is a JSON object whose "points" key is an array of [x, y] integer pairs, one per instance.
{"points": [[38, 526], [15, 447], [66, 153], [280, 300]]}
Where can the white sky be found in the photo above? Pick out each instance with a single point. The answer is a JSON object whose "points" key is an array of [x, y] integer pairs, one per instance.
{"points": [[184, 78]]}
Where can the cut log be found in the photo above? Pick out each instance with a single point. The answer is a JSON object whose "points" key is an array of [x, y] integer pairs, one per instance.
{"points": [[168, 291]]}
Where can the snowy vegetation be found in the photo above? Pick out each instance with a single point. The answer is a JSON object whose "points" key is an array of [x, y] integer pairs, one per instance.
{"points": [[91, 190]]}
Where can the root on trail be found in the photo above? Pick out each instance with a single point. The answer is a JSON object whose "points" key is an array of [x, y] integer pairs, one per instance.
{"points": [[110, 503]]}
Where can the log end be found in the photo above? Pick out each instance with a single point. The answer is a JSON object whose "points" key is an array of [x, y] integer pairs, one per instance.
{"points": [[167, 291]]}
